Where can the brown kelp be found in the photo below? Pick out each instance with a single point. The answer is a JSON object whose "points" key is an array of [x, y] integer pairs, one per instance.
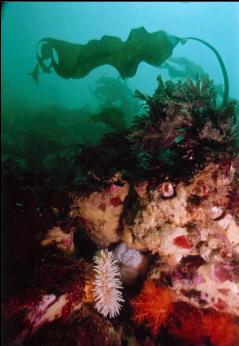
{"points": [[78, 60]]}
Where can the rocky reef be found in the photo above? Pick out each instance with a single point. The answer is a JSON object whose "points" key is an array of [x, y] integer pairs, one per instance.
{"points": [[162, 196]]}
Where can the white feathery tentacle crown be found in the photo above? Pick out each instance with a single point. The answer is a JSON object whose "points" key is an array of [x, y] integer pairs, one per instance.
{"points": [[107, 291]]}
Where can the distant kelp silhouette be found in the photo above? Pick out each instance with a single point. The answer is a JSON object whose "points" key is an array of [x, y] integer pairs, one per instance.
{"points": [[112, 117], [109, 89], [181, 67], [118, 105], [71, 60]]}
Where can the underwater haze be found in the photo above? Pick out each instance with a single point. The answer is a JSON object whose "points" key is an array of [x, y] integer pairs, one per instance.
{"points": [[25, 23], [55, 112], [43, 113]]}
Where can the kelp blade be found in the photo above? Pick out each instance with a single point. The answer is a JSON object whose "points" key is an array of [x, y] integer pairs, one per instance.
{"points": [[77, 60]]}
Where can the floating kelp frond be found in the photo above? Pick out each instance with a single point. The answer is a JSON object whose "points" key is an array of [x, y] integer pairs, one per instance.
{"points": [[77, 60], [35, 74], [71, 60]]}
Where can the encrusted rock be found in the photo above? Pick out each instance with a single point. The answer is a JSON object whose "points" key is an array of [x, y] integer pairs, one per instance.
{"points": [[100, 213]]}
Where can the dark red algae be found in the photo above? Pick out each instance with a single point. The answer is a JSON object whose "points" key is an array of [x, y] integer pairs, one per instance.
{"points": [[53, 277], [84, 327]]}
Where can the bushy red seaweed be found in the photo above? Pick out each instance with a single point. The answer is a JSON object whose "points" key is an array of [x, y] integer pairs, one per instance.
{"points": [[152, 306]]}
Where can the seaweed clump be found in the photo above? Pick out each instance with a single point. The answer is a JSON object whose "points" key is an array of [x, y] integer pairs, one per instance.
{"points": [[182, 131], [152, 306]]}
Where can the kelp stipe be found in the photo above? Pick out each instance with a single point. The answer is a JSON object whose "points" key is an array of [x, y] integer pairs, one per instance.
{"points": [[223, 68]]}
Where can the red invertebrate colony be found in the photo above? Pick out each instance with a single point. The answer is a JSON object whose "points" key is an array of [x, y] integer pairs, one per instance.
{"points": [[152, 306]]}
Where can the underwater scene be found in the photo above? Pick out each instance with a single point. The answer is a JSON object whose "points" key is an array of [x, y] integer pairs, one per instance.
{"points": [[120, 173]]}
